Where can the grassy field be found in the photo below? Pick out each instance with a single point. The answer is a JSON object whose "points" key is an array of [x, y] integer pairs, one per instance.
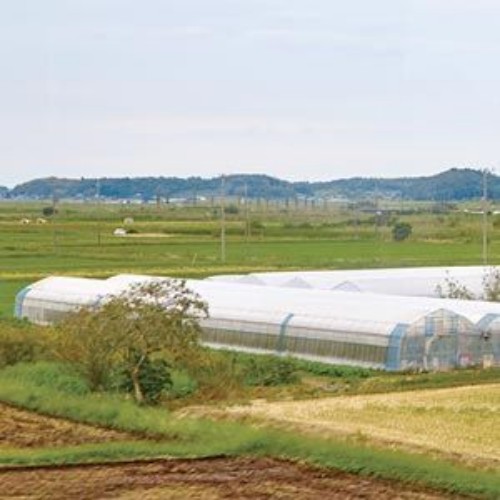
{"points": [[172, 241], [185, 242]]}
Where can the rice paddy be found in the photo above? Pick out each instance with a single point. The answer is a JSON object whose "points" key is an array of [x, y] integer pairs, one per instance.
{"points": [[463, 422]]}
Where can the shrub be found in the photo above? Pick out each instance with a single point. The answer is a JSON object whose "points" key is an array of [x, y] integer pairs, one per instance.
{"points": [[20, 343], [268, 371], [231, 210], [335, 371], [256, 224], [401, 231], [154, 378], [49, 211], [216, 374], [182, 385]]}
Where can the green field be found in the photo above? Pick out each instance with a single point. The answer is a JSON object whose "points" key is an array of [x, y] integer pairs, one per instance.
{"points": [[185, 242]]}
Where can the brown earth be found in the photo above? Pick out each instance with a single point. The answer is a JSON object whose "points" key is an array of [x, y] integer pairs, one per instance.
{"points": [[235, 478], [21, 429], [218, 478]]}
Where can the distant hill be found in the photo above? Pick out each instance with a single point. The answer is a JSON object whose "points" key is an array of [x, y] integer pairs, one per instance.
{"points": [[451, 185], [3, 191], [168, 187]]}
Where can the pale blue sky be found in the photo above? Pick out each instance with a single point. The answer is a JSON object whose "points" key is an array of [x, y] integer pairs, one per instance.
{"points": [[300, 89]]}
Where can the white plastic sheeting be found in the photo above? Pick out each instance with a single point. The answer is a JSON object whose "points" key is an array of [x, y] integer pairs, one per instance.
{"points": [[366, 329], [48, 300], [411, 282]]}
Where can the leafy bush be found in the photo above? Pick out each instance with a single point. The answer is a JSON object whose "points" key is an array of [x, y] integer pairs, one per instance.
{"points": [[215, 373], [154, 378], [231, 210], [261, 363], [257, 224], [49, 211], [336, 371], [20, 343], [401, 231], [268, 371], [182, 385]]}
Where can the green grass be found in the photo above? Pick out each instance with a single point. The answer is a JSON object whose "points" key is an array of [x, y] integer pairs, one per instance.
{"points": [[200, 438], [8, 292], [44, 374], [281, 239], [285, 239]]}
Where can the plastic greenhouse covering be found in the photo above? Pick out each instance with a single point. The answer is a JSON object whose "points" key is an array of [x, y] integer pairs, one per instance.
{"points": [[364, 329], [412, 282]]}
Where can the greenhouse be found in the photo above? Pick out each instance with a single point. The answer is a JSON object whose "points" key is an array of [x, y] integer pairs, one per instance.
{"points": [[379, 331], [50, 299], [411, 282]]}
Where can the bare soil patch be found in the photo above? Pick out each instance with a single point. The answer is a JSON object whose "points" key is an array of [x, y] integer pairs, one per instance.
{"points": [[241, 478], [23, 429]]}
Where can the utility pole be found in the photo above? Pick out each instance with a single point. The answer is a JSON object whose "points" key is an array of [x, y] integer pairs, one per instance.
{"points": [[485, 217], [247, 215], [222, 220], [98, 199], [54, 211]]}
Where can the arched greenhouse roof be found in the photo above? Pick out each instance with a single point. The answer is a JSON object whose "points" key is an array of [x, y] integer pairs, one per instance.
{"points": [[414, 282]]}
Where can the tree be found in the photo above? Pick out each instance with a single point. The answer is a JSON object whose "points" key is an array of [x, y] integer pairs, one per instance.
{"points": [[491, 285], [49, 211], [401, 231], [157, 318], [454, 289]]}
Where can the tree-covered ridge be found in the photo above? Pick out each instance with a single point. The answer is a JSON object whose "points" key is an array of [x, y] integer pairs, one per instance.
{"points": [[166, 187], [453, 184]]}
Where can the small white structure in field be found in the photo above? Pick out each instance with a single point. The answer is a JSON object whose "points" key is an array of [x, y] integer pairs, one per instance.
{"points": [[128, 220], [41, 220], [120, 231], [25, 221]]}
